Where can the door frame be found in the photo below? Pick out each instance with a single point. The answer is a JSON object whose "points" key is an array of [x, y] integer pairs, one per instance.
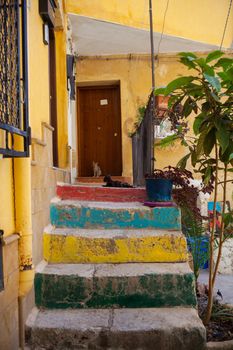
{"points": [[92, 86]]}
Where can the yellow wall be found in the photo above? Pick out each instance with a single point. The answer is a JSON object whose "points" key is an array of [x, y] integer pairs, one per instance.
{"points": [[39, 96], [134, 74], [38, 72], [62, 97], [193, 19], [7, 216]]}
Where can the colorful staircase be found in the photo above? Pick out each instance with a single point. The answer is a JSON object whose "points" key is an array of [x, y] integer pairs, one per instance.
{"points": [[115, 276]]}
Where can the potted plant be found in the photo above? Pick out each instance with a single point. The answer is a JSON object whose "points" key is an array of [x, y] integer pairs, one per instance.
{"points": [[159, 185], [172, 183], [208, 94]]}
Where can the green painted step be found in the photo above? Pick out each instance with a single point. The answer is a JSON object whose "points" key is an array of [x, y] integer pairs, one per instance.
{"points": [[116, 329], [114, 285], [106, 215]]}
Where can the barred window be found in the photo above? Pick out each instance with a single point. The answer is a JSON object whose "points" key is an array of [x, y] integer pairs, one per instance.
{"points": [[14, 128]]}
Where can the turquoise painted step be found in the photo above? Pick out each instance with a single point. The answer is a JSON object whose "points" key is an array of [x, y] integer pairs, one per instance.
{"points": [[83, 214], [114, 285]]}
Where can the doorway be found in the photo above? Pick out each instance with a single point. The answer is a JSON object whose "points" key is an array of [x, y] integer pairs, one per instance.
{"points": [[99, 130]]}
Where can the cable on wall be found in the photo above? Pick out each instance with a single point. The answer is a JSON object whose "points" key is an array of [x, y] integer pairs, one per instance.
{"points": [[225, 26]]}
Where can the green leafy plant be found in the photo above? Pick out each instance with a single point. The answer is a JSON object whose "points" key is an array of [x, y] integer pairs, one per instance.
{"points": [[208, 94], [139, 118], [183, 192]]}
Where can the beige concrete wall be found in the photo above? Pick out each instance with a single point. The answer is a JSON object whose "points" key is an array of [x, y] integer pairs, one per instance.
{"points": [[43, 189], [9, 328]]}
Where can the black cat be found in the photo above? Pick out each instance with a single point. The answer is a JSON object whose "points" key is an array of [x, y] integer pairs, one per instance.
{"points": [[114, 183]]}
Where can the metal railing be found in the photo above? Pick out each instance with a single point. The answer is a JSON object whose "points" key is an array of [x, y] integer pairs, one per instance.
{"points": [[14, 79], [142, 145]]}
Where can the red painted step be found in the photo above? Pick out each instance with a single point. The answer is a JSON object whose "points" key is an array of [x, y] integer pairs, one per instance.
{"points": [[101, 194]]}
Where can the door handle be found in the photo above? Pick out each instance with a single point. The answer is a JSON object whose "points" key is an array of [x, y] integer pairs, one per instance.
{"points": [[115, 134], [98, 127]]}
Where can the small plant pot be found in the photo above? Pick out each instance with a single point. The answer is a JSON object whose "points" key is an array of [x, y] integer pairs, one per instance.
{"points": [[159, 190], [199, 247]]}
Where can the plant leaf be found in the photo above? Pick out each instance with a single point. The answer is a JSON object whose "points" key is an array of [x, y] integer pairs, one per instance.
{"points": [[226, 157], [229, 73], [197, 123], [223, 76], [189, 55], [225, 63], [177, 84], [188, 62], [183, 161], [214, 56], [223, 137], [214, 81], [187, 108], [200, 143], [215, 97], [207, 175], [174, 100], [193, 158], [228, 218], [167, 141], [159, 91], [209, 141]]}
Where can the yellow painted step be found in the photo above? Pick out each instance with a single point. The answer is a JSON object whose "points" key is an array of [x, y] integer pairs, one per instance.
{"points": [[62, 245]]}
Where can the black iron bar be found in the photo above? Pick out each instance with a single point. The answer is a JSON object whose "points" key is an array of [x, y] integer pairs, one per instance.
{"points": [[152, 100], [14, 119], [27, 140]]}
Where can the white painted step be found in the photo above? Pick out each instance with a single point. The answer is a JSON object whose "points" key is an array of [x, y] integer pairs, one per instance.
{"points": [[112, 233]]}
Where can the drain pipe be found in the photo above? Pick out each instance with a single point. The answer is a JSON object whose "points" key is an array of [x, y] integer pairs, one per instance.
{"points": [[152, 87], [23, 223]]}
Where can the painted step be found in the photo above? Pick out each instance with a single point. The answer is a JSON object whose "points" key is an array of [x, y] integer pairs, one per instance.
{"points": [[100, 193], [112, 329], [64, 245], [84, 214], [114, 285], [100, 180]]}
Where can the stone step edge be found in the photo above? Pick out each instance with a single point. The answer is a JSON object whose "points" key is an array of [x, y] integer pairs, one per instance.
{"points": [[110, 232], [178, 328], [131, 205], [113, 270]]}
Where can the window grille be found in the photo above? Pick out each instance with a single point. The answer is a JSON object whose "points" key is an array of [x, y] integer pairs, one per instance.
{"points": [[14, 125]]}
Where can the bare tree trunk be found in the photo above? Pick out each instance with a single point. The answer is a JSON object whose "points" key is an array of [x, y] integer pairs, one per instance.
{"points": [[221, 236], [211, 267]]}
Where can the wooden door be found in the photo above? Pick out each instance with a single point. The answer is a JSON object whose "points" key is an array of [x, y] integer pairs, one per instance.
{"points": [[99, 130]]}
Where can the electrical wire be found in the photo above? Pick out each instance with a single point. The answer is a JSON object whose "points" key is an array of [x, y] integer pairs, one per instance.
{"points": [[225, 26], [162, 32]]}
